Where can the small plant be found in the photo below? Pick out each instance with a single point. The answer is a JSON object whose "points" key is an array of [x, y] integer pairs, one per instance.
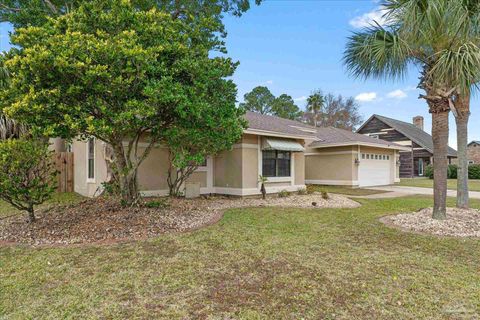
{"points": [[156, 204], [302, 191], [325, 195], [262, 180], [283, 194], [310, 189], [27, 174]]}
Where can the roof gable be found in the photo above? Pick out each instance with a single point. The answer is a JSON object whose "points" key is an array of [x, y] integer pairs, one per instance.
{"points": [[410, 131]]}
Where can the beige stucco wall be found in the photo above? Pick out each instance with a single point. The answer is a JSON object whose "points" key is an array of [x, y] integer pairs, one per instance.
{"points": [[228, 169], [250, 167], [81, 185], [153, 172], [236, 169], [299, 168], [334, 164]]}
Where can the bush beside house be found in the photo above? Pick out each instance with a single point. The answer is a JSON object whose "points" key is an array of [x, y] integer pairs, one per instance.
{"points": [[473, 171]]}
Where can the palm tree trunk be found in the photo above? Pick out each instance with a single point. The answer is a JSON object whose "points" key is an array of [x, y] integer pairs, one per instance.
{"points": [[440, 161], [462, 115]]}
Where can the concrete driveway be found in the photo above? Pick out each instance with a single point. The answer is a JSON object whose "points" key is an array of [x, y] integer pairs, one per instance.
{"points": [[401, 191]]}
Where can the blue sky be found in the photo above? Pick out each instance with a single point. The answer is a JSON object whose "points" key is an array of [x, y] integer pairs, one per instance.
{"points": [[296, 46]]}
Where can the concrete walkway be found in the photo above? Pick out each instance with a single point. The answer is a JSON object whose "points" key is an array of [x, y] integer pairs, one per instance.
{"points": [[401, 191]]}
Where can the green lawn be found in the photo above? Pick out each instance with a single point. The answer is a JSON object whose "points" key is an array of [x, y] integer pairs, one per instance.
{"points": [[474, 185], [262, 263], [344, 190]]}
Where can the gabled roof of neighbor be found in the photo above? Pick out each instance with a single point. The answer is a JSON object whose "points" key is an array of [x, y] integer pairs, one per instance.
{"points": [[410, 131], [323, 137], [475, 142]]}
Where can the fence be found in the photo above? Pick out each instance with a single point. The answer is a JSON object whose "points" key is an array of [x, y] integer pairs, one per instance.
{"points": [[64, 165]]}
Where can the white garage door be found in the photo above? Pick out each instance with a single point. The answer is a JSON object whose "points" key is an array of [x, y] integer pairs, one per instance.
{"points": [[374, 170]]}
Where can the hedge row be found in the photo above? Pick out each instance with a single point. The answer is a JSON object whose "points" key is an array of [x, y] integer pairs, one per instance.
{"points": [[473, 171]]}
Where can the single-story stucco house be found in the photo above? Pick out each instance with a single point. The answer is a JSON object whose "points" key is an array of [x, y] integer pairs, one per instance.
{"points": [[289, 153]]}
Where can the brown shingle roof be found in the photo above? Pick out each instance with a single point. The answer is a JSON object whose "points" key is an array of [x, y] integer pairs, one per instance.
{"points": [[257, 121], [323, 136], [332, 135]]}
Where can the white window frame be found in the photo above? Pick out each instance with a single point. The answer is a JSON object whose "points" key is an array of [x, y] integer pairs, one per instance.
{"points": [[471, 162], [421, 174], [90, 180], [290, 179]]}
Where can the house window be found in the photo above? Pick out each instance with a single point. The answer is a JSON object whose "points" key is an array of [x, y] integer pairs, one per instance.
{"points": [[276, 163], [363, 155], [471, 162], [388, 157], [91, 159]]}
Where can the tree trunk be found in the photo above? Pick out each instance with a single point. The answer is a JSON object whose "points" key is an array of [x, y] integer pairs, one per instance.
{"points": [[127, 176], [31, 215], [440, 161], [462, 106]]}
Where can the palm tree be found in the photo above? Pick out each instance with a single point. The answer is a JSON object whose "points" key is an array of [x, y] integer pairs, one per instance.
{"points": [[424, 34], [315, 104]]}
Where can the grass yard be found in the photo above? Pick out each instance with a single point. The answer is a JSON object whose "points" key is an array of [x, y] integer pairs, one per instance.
{"points": [[474, 185], [261, 263], [344, 190]]}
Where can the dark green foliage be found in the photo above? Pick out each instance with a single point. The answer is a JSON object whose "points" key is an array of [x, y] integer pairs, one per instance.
{"points": [[110, 71], [27, 174], [474, 171], [452, 171], [261, 100], [23, 13], [429, 171], [157, 204]]}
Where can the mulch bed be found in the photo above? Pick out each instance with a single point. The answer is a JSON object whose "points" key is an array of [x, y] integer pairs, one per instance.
{"points": [[104, 220], [459, 223]]}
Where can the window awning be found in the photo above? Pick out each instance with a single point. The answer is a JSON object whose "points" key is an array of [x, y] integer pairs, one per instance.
{"points": [[282, 145]]}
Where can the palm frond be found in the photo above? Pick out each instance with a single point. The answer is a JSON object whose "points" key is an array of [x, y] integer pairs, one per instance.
{"points": [[377, 53], [460, 66]]}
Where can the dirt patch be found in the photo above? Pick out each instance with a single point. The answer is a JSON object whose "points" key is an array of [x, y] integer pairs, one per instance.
{"points": [[104, 220], [459, 223]]}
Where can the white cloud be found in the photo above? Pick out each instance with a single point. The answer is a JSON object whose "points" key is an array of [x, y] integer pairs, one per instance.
{"points": [[302, 98], [367, 19], [269, 82], [366, 97], [397, 94]]}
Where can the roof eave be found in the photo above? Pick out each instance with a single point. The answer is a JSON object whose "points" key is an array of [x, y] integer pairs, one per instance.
{"points": [[276, 134], [360, 143]]}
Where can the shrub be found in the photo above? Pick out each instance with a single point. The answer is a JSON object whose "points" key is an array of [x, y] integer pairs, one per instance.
{"points": [[429, 171], [452, 170], [302, 191], [158, 204], [283, 194], [474, 171], [27, 174], [325, 195]]}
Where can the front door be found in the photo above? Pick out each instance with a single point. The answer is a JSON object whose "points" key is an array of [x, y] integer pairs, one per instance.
{"points": [[420, 167]]}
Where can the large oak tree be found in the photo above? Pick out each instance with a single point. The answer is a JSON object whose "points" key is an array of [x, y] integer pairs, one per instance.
{"points": [[111, 71]]}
